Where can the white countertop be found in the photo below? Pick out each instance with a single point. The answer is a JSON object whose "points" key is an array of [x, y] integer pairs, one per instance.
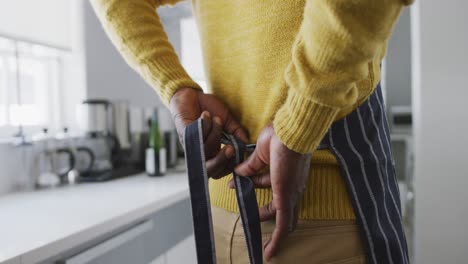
{"points": [[37, 225]]}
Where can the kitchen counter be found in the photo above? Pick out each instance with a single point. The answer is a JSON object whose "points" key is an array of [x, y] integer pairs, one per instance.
{"points": [[40, 224]]}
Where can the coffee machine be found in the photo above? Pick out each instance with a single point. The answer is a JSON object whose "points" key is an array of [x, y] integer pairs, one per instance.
{"points": [[106, 128]]}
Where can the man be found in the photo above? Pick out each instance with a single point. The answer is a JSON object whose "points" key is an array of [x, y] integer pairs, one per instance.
{"points": [[300, 79]]}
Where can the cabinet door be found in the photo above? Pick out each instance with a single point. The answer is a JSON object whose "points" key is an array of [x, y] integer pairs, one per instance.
{"points": [[126, 247], [183, 252], [159, 260]]}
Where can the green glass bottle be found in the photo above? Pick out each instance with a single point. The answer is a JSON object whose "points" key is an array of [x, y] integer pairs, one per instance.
{"points": [[156, 153]]}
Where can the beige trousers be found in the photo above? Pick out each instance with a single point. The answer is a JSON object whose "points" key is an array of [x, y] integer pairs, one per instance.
{"points": [[325, 241]]}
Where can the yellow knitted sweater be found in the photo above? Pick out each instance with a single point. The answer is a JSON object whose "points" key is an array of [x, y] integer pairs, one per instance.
{"points": [[300, 64]]}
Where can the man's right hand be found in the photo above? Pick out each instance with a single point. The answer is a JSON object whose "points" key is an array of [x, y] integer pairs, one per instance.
{"points": [[187, 105]]}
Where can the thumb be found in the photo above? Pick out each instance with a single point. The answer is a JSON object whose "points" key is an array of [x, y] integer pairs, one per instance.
{"points": [[253, 165], [259, 181]]}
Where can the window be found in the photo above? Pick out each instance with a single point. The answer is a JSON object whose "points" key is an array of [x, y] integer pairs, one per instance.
{"points": [[30, 77]]}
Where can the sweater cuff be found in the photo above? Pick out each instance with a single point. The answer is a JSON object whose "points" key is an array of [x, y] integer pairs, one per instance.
{"points": [[167, 76], [301, 123]]}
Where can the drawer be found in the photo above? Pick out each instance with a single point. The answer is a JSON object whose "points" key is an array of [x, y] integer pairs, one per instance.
{"points": [[126, 247]]}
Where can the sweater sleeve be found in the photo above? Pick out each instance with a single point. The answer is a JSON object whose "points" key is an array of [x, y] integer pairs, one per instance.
{"points": [[135, 29], [336, 42]]}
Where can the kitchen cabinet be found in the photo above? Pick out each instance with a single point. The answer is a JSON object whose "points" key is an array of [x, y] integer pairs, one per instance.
{"points": [[161, 234], [159, 260], [183, 252], [126, 247], [13, 261], [132, 220]]}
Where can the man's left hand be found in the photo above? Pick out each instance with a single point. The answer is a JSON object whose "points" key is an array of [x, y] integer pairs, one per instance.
{"points": [[287, 177]]}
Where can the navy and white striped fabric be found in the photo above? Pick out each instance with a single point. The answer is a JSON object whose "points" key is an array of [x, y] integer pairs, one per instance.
{"points": [[361, 144]]}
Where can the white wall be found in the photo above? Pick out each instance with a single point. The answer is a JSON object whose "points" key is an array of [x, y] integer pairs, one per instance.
{"points": [[440, 70], [398, 63], [192, 57], [107, 74]]}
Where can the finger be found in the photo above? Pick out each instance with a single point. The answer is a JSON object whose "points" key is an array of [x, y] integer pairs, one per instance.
{"points": [[227, 170], [259, 181], [267, 212], [282, 227], [181, 122], [213, 140], [184, 117], [251, 166], [207, 123], [218, 166], [232, 126], [282, 170], [295, 218]]}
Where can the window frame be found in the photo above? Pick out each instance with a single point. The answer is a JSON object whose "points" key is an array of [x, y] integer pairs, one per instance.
{"points": [[53, 105]]}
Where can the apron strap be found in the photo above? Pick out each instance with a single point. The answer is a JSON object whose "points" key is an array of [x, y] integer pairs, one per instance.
{"points": [[200, 200]]}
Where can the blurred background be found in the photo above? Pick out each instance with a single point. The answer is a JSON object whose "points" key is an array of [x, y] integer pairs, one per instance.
{"points": [[76, 121]]}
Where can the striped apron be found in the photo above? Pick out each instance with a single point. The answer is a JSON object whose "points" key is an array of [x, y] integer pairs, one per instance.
{"points": [[361, 144]]}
